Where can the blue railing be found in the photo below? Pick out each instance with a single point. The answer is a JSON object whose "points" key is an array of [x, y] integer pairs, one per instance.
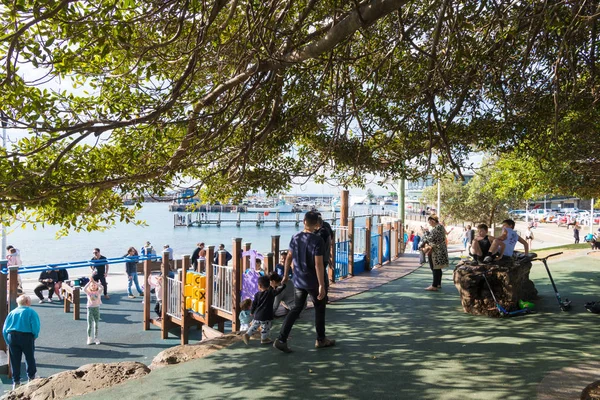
{"points": [[342, 250], [79, 264], [386, 245], [374, 250]]}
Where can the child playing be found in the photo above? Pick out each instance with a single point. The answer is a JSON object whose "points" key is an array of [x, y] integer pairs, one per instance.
{"points": [[480, 247], [262, 310], [509, 239], [94, 292], [245, 317]]}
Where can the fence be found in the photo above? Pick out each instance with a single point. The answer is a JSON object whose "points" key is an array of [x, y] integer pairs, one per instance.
{"points": [[222, 295], [374, 250], [174, 288], [341, 233], [360, 240], [342, 250]]}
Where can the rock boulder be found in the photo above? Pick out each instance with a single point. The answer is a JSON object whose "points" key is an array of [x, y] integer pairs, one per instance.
{"points": [[509, 280], [85, 379], [187, 352]]}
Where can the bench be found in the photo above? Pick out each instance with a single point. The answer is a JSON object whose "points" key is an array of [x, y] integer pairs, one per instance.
{"points": [[71, 295]]}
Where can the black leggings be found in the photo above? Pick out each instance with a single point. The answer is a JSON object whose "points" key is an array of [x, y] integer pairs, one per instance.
{"points": [[437, 274]]}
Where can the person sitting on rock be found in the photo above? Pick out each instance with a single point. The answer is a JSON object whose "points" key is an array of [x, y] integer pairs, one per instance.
{"points": [[510, 238], [480, 247]]}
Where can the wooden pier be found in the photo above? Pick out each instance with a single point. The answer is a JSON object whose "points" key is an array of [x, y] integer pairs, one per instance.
{"points": [[199, 219]]}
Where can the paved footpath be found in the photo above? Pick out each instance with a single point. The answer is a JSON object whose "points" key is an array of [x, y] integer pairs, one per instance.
{"points": [[399, 341]]}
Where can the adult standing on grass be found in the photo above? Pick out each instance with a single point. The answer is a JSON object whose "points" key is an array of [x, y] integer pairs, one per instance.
{"points": [[131, 269], [306, 252], [100, 270], [438, 258], [21, 328], [576, 229]]}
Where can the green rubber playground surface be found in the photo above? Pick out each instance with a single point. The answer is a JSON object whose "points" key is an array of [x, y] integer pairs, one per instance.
{"points": [[399, 341]]}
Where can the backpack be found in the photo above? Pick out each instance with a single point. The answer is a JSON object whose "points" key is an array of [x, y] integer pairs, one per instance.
{"points": [[593, 307]]}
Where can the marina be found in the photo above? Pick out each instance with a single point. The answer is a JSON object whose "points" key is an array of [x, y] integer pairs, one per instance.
{"points": [[198, 219]]}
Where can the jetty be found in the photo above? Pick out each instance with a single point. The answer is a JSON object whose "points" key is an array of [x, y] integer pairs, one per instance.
{"points": [[198, 219]]}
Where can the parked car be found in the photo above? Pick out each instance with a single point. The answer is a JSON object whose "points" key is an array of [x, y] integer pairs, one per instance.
{"points": [[538, 213], [517, 214]]}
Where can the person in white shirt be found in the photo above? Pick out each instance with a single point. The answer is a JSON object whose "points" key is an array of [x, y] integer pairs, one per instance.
{"points": [[510, 238]]}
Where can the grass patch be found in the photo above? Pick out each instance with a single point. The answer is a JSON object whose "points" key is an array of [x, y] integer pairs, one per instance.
{"points": [[572, 246]]}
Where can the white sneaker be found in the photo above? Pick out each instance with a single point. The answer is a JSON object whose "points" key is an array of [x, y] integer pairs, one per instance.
{"points": [[42, 301], [488, 259], [16, 385], [97, 341], [90, 341], [49, 300]]}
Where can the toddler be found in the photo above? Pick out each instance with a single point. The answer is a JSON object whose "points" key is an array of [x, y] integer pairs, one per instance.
{"points": [[262, 310], [245, 317], [93, 290]]}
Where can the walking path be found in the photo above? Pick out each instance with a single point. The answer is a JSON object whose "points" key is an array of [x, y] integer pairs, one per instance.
{"points": [[398, 341]]}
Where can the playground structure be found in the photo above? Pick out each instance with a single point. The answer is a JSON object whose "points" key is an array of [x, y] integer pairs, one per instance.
{"points": [[211, 294]]}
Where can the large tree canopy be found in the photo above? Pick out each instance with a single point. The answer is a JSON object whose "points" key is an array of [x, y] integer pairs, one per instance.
{"points": [[243, 94]]}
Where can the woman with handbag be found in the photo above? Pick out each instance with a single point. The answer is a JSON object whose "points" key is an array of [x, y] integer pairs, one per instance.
{"points": [[438, 258]]}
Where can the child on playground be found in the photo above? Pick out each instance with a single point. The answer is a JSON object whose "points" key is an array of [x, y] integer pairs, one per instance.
{"points": [[509, 238], [416, 242], [262, 310], [245, 316], [93, 290], [480, 247]]}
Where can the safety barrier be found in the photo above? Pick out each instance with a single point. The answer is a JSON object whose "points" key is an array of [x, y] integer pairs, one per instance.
{"points": [[223, 276], [342, 250], [174, 288]]}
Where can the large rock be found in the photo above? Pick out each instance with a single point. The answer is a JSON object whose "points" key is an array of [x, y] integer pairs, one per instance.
{"points": [[85, 379], [509, 281], [187, 352]]}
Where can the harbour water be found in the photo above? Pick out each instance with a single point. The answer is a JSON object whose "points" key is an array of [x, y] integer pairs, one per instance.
{"points": [[41, 246]]}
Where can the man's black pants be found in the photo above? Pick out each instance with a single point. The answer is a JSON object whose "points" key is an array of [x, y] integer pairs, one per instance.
{"points": [[300, 296]]}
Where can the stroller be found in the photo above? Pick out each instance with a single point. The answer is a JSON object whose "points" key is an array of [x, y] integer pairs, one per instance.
{"points": [[588, 238]]}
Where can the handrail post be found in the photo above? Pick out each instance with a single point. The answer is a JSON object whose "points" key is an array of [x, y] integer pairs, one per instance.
{"points": [[275, 240], [269, 267], [210, 285], [331, 271], [3, 302], [380, 233], [351, 246], [146, 295], [368, 229], [237, 283], [401, 237], [13, 285], [185, 327], [164, 269]]}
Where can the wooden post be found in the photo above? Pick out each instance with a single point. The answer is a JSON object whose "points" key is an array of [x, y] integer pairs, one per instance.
{"points": [[222, 257], [147, 295], [401, 237], [380, 233], [185, 325], [397, 230], [388, 227], [164, 269], [13, 285], [275, 248], [246, 259], [331, 270], [237, 284], [344, 208], [368, 229], [3, 302], [76, 302], [269, 267], [351, 246], [210, 278]]}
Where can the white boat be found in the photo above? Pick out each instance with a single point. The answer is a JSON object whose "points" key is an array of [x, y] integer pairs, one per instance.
{"points": [[336, 205], [281, 207]]}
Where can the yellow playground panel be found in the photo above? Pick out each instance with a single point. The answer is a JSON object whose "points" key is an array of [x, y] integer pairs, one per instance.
{"points": [[195, 292]]}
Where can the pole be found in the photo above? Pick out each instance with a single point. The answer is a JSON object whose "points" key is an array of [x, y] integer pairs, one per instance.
{"points": [[4, 119], [401, 200], [439, 198], [592, 217]]}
